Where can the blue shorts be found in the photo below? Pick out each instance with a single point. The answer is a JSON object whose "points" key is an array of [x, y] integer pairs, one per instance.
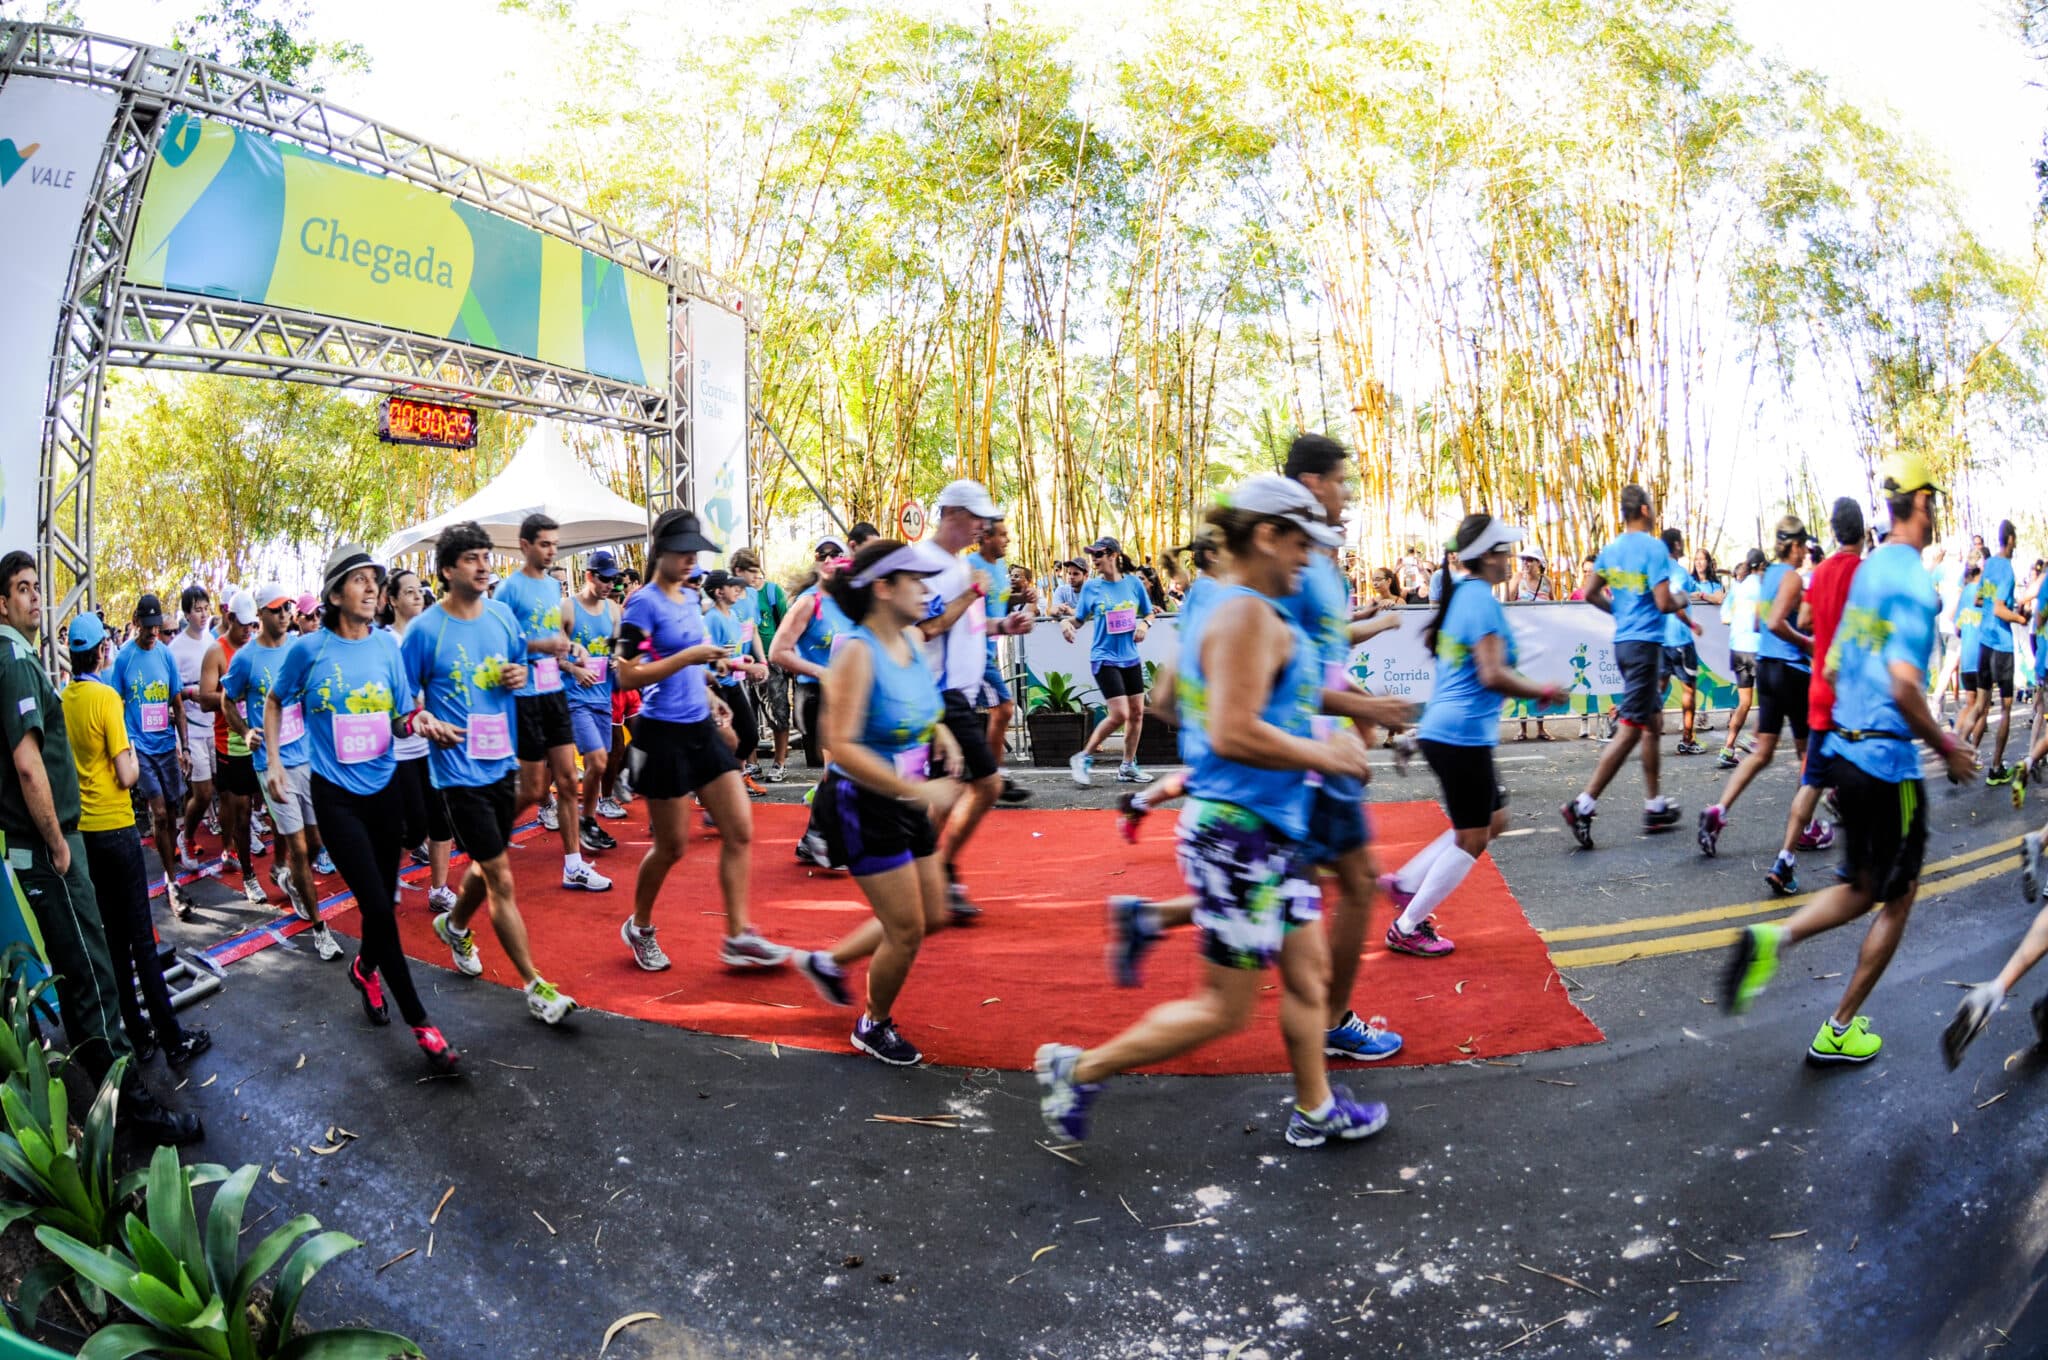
{"points": [[591, 727], [160, 777], [994, 689], [1818, 772], [1336, 827]]}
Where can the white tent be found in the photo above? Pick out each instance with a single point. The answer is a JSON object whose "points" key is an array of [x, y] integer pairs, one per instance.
{"points": [[545, 477]]}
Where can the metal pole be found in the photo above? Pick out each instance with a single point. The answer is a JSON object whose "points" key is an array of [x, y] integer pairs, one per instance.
{"points": [[770, 431]]}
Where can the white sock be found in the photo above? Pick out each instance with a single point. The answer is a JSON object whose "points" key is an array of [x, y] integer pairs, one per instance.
{"points": [[1408, 878], [571, 863], [1586, 804], [1443, 879], [1321, 1111], [1654, 804]]}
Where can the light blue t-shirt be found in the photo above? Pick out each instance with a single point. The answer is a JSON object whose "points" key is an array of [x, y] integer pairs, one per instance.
{"points": [[1889, 617], [1769, 644], [536, 603], [348, 692], [149, 684], [593, 630], [1631, 566], [1676, 634], [997, 601], [457, 664], [827, 622], [663, 627], [724, 628], [1323, 609], [1462, 711], [1969, 622], [1115, 606], [250, 678], [1743, 603], [1996, 585]]}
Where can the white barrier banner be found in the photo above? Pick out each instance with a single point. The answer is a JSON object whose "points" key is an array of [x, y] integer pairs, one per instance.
{"points": [[718, 422], [1571, 645], [51, 139]]}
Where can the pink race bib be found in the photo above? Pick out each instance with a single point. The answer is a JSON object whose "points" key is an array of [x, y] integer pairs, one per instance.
{"points": [[156, 717], [360, 737], [916, 763], [1122, 619], [598, 666], [490, 736], [547, 674], [291, 724]]}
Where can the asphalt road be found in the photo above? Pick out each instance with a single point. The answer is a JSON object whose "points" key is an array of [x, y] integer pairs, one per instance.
{"points": [[1688, 1188]]}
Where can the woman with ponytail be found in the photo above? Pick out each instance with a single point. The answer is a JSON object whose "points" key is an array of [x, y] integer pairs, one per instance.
{"points": [[1475, 674]]}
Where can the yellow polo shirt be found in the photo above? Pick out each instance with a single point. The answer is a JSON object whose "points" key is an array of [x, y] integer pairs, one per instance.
{"points": [[98, 732]]}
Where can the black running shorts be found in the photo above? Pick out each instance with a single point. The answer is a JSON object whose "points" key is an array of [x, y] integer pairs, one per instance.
{"points": [[482, 816], [544, 725], [1642, 682], [1884, 830], [970, 729], [1117, 682], [1744, 664], [1994, 670], [679, 758], [1472, 793], [1781, 698]]}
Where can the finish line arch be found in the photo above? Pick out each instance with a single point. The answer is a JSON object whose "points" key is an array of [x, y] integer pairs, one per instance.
{"points": [[168, 212]]}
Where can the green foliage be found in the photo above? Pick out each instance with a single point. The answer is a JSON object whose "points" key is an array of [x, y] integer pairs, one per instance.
{"points": [[269, 38], [187, 1281], [1059, 693]]}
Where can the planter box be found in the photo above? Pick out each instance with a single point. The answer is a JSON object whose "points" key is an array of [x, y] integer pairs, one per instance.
{"points": [[1056, 737], [1159, 747]]}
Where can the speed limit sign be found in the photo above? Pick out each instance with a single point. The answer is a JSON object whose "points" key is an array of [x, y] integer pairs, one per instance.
{"points": [[910, 521]]}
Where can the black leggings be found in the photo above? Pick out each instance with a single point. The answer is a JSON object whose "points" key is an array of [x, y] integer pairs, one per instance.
{"points": [[120, 881], [422, 816], [361, 833], [745, 725], [808, 698]]}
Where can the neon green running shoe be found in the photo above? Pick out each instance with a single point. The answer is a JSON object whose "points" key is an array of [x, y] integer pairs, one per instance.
{"points": [[1750, 968], [1855, 1044]]}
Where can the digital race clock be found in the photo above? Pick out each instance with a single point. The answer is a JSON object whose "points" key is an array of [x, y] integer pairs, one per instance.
{"points": [[408, 420]]}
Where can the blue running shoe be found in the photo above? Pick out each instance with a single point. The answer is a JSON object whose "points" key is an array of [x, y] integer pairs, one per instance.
{"points": [[1348, 1119], [1133, 929], [1063, 1101], [1354, 1038], [322, 863]]}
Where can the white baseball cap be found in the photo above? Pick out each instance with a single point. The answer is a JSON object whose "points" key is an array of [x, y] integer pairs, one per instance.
{"points": [[1284, 498], [242, 605], [970, 496]]}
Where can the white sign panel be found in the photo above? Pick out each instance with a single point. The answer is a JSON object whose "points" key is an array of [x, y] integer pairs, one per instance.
{"points": [[718, 422], [51, 139]]}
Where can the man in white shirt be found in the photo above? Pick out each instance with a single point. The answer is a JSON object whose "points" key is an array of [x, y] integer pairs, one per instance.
{"points": [[189, 649]]}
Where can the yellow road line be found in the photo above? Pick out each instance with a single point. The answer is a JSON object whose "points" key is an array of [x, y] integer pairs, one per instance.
{"points": [[1741, 909], [1696, 941]]}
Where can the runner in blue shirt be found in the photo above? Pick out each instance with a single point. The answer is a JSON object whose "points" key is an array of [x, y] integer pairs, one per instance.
{"points": [[1681, 653], [1118, 606], [1878, 661], [989, 558], [1631, 579], [1995, 661], [350, 684], [591, 623], [726, 626], [145, 675]]}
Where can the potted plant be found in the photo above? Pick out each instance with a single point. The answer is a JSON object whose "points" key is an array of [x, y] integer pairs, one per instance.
{"points": [[1056, 718], [1159, 744]]}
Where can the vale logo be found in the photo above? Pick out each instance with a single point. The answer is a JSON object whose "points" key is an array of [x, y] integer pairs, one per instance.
{"points": [[12, 158]]}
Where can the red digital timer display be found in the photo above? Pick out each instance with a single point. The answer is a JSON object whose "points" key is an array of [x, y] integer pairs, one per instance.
{"points": [[408, 420]]}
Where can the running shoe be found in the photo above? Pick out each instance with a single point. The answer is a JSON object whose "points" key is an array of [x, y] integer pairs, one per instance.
{"points": [[1129, 773], [547, 1004], [1579, 823], [1133, 930], [441, 898], [1390, 884], [2030, 867], [282, 877], [1347, 1121], [191, 1045], [1783, 877], [1818, 835], [1855, 1044], [325, 945], [1660, 819], [461, 946], [1013, 792], [1830, 811], [258, 823], [1979, 1004], [2019, 787], [1713, 822], [1691, 748], [185, 860], [1423, 942], [252, 890], [646, 952], [810, 849], [750, 769], [181, 905], [882, 1043], [753, 790], [212, 819], [609, 809], [1062, 1101], [2000, 774], [549, 816], [826, 976], [594, 837], [441, 1054], [1728, 759], [586, 878], [776, 774], [960, 908], [421, 855], [1082, 767], [1129, 813], [370, 988], [323, 863], [1750, 968], [1355, 1038], [751, 951]]}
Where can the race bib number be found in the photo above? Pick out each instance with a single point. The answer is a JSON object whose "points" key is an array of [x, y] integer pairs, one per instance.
{"points": [[360, 737], [547, 674], [242, 707], [291, 723], [916, 763], [597, 666], [490, 736], [977, 618], [1321, 727], [156, 717], [1122, 619], [1335, 676]]}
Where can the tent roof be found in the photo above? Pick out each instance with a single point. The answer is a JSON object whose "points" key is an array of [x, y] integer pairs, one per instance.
{"points": [[545, 477]]}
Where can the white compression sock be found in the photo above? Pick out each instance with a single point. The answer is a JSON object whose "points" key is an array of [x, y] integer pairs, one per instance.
{"points": [[1443, 879], [1409, 877], [571, 863]]}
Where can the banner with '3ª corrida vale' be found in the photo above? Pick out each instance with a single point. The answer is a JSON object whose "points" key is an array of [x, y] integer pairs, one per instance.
{"points": [[232, 213]]}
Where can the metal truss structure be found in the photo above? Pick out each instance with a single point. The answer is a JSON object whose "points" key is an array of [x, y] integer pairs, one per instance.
{"points": [[108, 322]]}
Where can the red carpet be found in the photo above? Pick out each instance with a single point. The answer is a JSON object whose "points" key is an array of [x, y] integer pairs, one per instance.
{"points": [[1030, 971]]}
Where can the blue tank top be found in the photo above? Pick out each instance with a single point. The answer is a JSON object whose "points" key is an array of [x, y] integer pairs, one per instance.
{"points": [[1278, 797], [593, 629], [903, 705], [828, 623], [1769, 644]]}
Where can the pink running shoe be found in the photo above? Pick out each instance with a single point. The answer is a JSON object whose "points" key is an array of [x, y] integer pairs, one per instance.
{"points": [[440, 1054], [1817, 836], [1391, 887], [1425, 943]]}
